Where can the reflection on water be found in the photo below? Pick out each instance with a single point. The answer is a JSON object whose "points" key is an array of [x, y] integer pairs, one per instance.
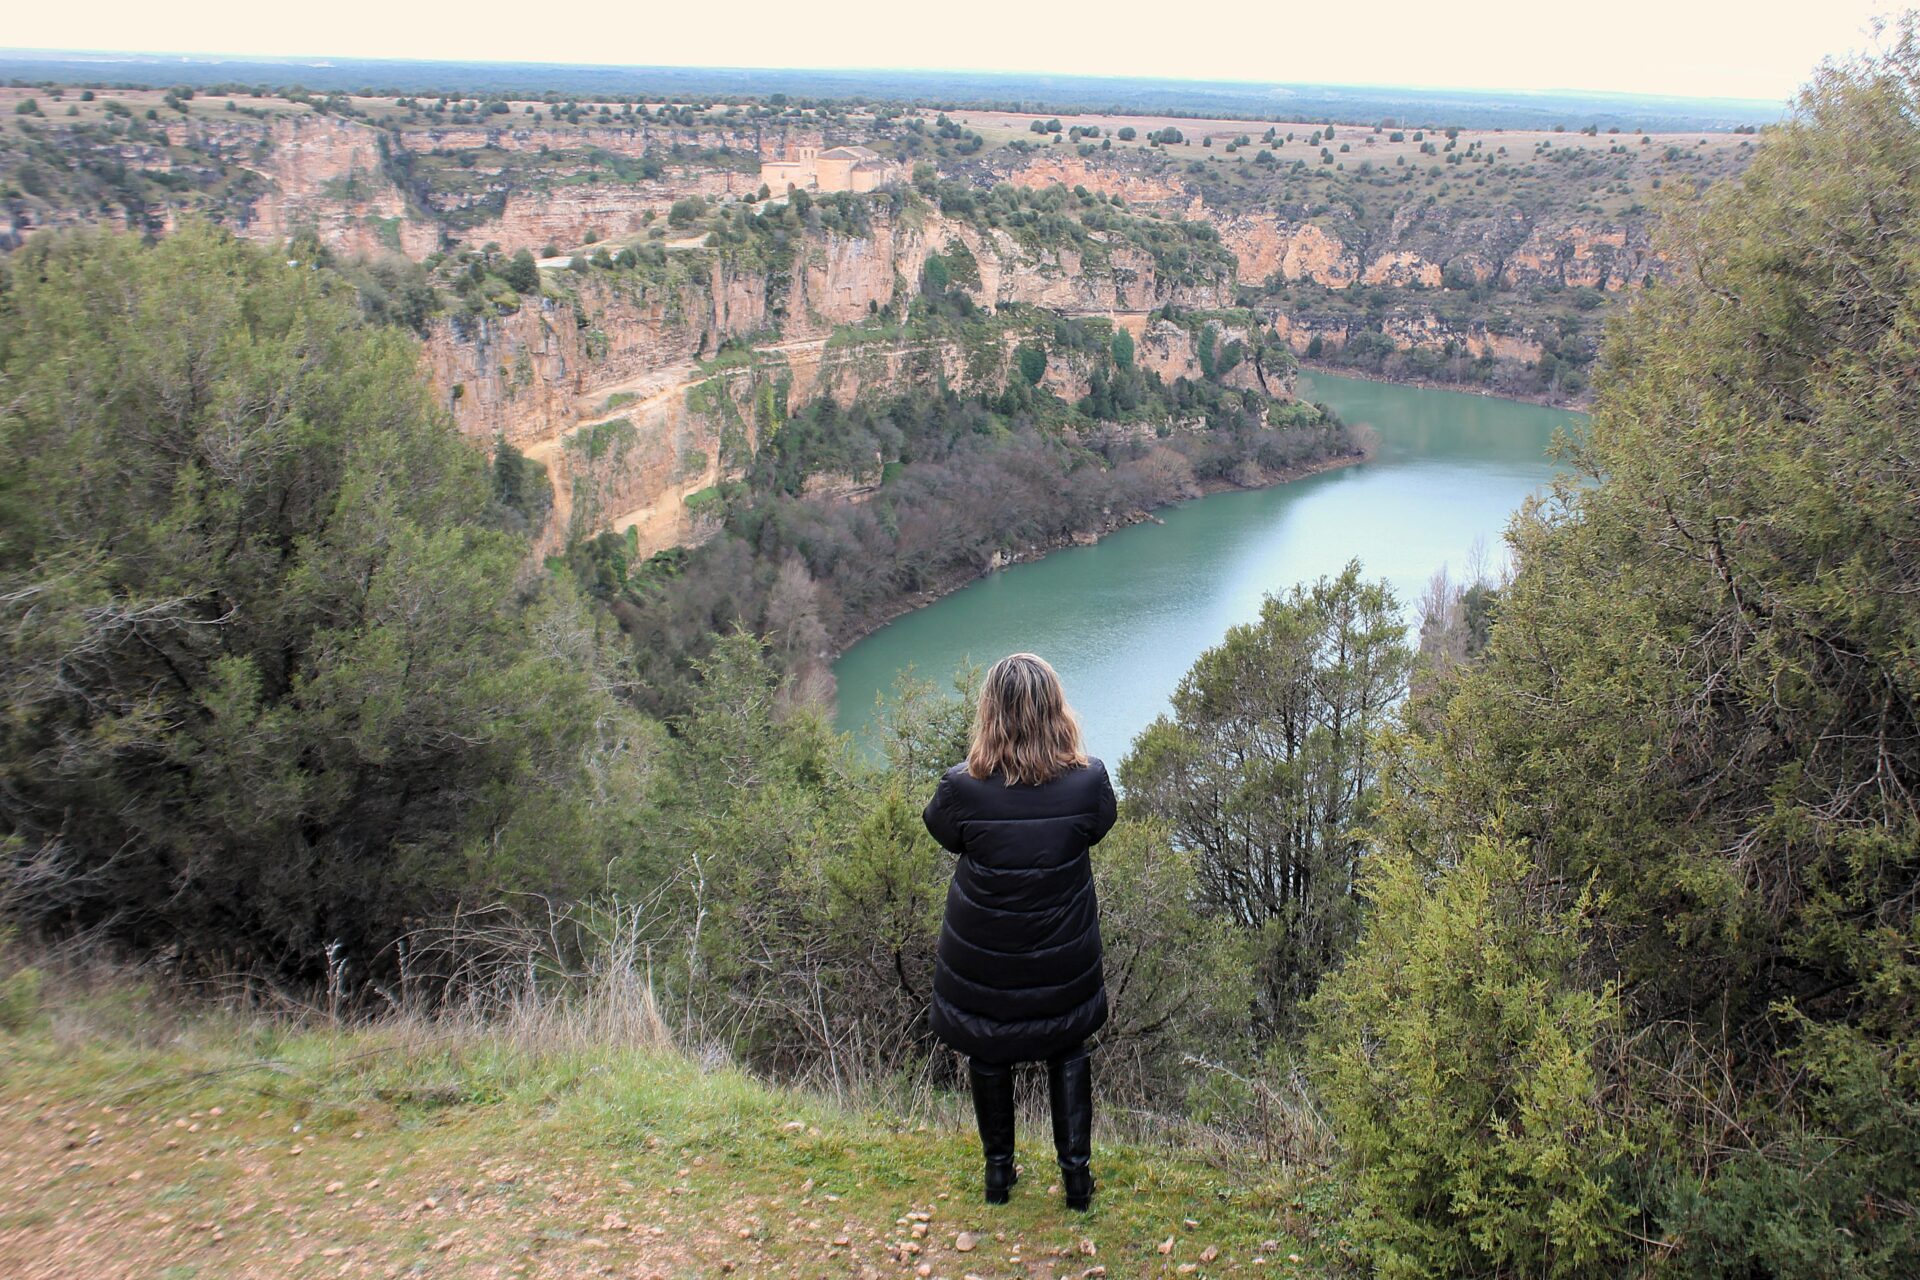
{"points": [[1123, 620]]}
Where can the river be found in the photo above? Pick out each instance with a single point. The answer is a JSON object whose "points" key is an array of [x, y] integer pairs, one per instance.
{"points": [[1122, 620]]}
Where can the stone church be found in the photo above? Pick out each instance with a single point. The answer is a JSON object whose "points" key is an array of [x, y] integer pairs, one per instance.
{"points": [[838, 169]]}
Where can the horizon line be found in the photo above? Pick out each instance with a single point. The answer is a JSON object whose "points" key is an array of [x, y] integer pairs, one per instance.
{"points": [[337, 59]]}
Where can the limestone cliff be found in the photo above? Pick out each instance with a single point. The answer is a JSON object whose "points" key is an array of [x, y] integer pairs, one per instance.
{"points": [[322, 174], [610, 377], [1421, 249], [524, 376], [1410, 330]]}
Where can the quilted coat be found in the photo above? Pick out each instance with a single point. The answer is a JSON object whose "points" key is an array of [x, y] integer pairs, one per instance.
{"points": [[1017, 976]]}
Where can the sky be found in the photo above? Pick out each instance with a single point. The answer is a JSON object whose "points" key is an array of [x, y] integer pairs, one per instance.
{"points": [[1689, 48]]}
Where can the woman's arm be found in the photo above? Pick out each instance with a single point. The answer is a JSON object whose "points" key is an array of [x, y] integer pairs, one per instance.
{"points": [[938, 815], [1107, 808]]}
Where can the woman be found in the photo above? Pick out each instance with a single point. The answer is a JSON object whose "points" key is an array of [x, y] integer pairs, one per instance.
{"points": [[1018, 976]]}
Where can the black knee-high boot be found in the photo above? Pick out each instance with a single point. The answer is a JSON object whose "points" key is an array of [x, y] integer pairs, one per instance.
{"points": [[1070, 1096], [993, 1108]]}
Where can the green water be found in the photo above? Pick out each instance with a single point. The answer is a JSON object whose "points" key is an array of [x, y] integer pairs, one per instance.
{"points": [[1124, 619]]}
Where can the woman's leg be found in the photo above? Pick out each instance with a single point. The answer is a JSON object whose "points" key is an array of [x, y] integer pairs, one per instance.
{"points": [[993, 1108], [1070, 1097]]}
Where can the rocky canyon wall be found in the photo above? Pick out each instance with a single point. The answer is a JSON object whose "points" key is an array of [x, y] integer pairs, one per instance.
{"points": [[525, 376], [644, 350], [321, 174]]}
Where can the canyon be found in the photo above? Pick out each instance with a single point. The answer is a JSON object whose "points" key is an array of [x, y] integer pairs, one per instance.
{"points": [[641, 389]]}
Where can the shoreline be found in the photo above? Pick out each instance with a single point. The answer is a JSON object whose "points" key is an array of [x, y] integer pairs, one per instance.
{"points": [[954, 581], [1583, 405]]}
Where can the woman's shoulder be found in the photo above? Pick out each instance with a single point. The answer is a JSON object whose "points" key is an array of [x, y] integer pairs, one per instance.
{"points": [[1094, 768], [1081, 784], [1092, 775]]}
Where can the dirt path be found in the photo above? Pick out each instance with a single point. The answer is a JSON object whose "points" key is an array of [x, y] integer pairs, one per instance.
{"points": [[93, 1192], [649, 390]]}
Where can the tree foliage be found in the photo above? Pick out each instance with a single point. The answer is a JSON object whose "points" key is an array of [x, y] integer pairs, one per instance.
{"points": [[277, 682], [1267, 770], [1696, 712], [1458, 1058]]}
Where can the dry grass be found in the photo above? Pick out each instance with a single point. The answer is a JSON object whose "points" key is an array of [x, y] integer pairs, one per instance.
{"points": [[542, 1128]]}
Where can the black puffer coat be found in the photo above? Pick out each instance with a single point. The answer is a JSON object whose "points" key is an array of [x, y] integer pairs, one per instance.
{"points": [[1018, 976]]}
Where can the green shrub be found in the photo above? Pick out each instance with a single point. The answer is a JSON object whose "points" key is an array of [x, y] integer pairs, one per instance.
{"points": [[1032, 358], [1456, 1054], [1692, 733], [20, 999], [322, 702], [685, 211]]}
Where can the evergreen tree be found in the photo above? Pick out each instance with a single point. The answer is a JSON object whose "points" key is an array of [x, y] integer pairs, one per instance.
{"points": [[1695, 719], [277, 682], [1267, 769]]}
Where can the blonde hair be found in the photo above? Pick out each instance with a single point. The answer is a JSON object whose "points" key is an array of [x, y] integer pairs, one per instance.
{"points": [[1024, 728]]}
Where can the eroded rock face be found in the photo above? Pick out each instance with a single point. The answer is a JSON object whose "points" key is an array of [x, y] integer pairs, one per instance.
{"points": [[617, 346], [323, 175], [1157, 191], [1420, 245], [1409, 329], [522, 376], [1404, 269], [633, 140], [1422, 252], [568, 216], [1582, 256]]}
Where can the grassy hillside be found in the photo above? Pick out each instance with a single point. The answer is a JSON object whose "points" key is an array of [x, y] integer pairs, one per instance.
{"points": [[139, 1141]]}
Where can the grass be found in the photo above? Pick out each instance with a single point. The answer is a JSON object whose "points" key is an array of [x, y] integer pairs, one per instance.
{"points": [[135, 1138]]}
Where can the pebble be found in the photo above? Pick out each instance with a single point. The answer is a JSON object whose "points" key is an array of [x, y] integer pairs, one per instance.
{"points": [[965, 1242]]}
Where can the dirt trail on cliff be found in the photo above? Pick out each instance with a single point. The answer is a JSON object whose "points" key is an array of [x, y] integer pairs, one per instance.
{"points": [[648, 391]]}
